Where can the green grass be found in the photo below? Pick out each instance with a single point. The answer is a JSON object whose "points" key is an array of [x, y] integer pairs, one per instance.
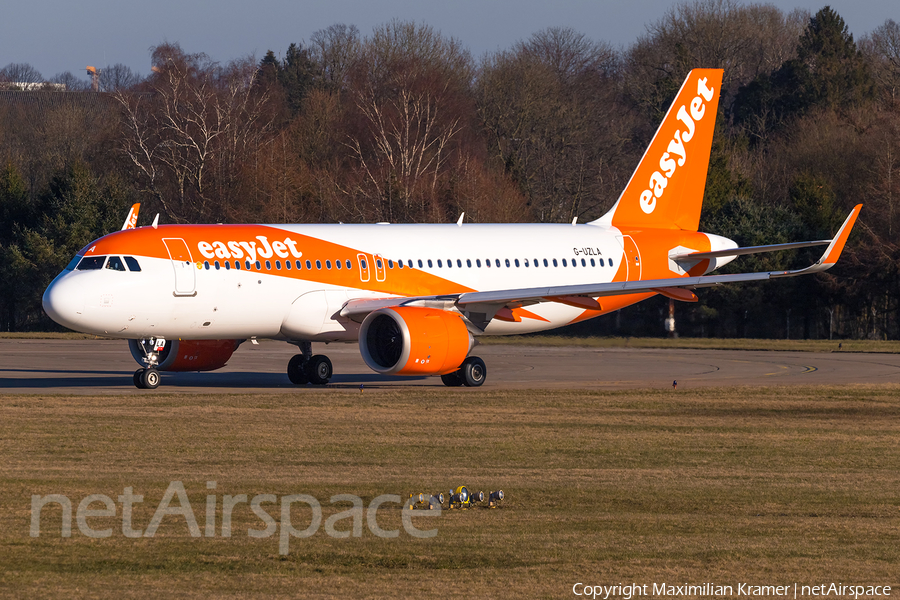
{"points": [[760, 485]]}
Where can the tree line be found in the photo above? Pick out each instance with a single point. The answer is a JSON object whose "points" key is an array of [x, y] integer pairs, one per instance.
{"points": [[405, 125]]}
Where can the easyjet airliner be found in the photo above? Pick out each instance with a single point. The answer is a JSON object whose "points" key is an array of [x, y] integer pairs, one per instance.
{"points": [[414, 297]]}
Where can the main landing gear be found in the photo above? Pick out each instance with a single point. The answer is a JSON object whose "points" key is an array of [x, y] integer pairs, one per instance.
{"points": [[472, 373], [308, 367]]}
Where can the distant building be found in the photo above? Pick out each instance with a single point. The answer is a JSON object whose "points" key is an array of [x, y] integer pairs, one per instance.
{"points": [[21, 86]]}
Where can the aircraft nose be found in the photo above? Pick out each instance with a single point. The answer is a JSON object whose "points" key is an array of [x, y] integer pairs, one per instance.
{"points": [[63, 301]]}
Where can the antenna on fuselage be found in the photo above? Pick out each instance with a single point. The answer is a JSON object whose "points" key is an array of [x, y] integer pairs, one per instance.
{"points": [[460, 221], [155, 220]]}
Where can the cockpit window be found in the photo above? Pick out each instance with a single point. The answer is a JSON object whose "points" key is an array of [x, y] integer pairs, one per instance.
{"points": [[91, 263], [115, 263], [73, 263], [133, 263]]}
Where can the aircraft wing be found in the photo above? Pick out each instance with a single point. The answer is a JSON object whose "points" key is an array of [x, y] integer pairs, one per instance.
{"points": [[570, 293]]}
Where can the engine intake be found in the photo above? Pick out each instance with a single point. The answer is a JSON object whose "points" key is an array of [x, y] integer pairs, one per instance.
{"points": [[413, 340]]}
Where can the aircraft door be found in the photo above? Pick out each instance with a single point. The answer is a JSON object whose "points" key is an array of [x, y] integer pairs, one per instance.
{"points": [[185, 278], [379, 268], [363, 261], [632, 257]]}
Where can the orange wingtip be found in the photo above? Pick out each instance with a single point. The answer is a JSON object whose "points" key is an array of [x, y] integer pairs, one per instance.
{"points": [[833, 253]]}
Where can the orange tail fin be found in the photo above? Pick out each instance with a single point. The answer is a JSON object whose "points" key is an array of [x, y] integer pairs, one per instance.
{"points": [[666, 189]]}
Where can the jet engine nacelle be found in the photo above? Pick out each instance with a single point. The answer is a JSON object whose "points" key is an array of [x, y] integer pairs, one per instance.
{"points": [[189, 355], [413, 340]]}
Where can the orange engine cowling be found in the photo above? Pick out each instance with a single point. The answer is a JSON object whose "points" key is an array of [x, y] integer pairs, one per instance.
{"points": [[412, 340], [189, 355]]}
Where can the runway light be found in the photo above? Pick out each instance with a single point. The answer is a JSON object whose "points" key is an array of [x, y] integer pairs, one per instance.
{"points": [[459, 498], [495, 498]]}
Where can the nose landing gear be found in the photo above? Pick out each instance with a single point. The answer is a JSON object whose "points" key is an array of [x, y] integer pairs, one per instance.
{"points": [[148, 378]]}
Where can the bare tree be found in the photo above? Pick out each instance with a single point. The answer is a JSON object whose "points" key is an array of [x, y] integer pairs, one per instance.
{"points": [[335, 49], [409, 88], [882, 48], [118, 77], [189, 131], [550, 108], [21, 74], [71, 81]]}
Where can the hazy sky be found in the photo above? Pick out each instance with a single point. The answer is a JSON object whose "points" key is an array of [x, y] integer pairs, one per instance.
{"points": [[65, 35]]}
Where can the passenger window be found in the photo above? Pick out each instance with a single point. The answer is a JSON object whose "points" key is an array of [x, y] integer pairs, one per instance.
{"points": [[258, 266], [498, 262], [115, 264], [348, 264], [319, 265], [132, 263], [363, 262], [309, 265], [545, 263], [91, 263], [400, 263], [390, 263], [517, 262], [526, 262], [478, 262], [610, 262], [328, 264], [459, 263], [237, 265], [440, 265], [299, 265], [487, 262], [420, 263], [268, 266], [206, 265], [593, 264], [338, 264], [507, 263], [217, 265], [227, 265], [278, 265], [429, 263], [287, 265], [247, 265], [379, 264], [584, 264], [564, 263], [469, 262], [554, 263]]}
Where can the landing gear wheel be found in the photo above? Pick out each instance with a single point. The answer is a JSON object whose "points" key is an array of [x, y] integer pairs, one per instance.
{"points": [[150, 379], [319, 369], [296, 370], [473, 371], [454, 379], [136, 378]]}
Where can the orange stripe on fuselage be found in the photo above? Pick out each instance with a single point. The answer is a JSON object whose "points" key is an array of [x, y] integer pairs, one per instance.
{"points": [[254, 242]]}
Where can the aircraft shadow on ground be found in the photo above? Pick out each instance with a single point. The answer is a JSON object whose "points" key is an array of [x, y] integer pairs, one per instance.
{"points": [[232, 380]]}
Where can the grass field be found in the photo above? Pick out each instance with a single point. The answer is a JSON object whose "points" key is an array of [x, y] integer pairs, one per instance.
{"points": [[759, 485]]}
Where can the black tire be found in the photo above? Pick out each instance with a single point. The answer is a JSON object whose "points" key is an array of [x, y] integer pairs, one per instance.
{"points": [[454, 379], [474, 371], [319, 369], [136, 378], [296, 370], [150, 379]]}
